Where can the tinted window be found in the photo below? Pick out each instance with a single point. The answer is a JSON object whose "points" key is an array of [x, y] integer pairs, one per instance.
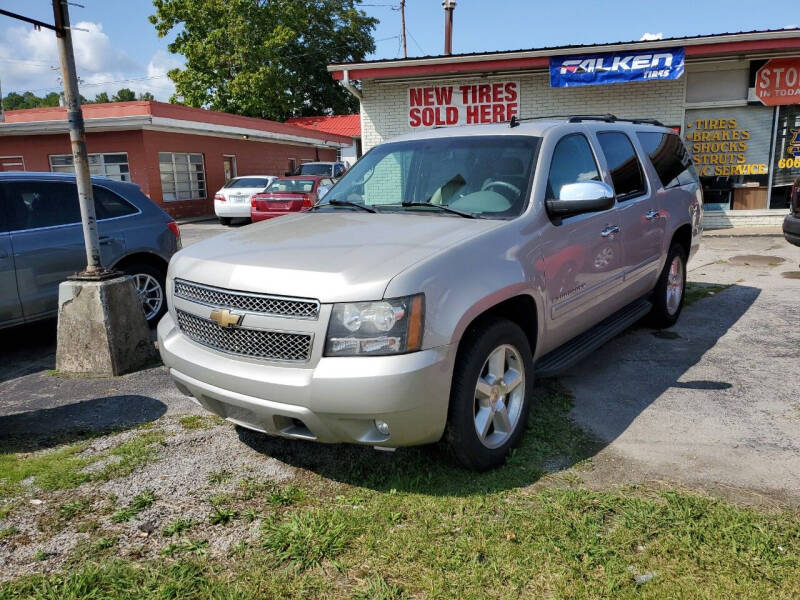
{"points": [[669, 157], [573, 161], [626, 172], [33, 204], [248, 182], [315, 169], [291, 185], [108, 205]]}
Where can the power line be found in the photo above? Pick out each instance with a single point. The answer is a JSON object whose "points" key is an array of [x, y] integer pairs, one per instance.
{"points": [[411, 35]]}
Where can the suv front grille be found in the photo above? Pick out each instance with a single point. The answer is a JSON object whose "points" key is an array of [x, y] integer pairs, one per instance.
{"points": [[281, 306], [256, 343]]}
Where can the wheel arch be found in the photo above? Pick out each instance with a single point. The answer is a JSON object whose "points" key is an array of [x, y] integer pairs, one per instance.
{"points": [[683, 236], [142, 257]]}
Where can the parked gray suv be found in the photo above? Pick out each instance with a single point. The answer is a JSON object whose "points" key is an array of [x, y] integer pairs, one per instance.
{"points": [[435, 280], [41, 241]]}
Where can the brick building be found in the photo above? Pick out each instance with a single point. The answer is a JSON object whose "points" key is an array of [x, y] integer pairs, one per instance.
{"points": [[715, 98], [178, 155]]}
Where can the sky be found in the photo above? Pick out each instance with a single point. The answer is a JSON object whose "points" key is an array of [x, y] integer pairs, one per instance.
{"points": [[121, 48]]}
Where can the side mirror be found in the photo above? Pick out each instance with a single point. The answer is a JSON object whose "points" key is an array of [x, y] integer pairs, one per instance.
{"points": [[581, 197], [322, 190]]}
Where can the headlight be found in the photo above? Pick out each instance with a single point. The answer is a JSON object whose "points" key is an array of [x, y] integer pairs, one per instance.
{"points": [[376, 328]]}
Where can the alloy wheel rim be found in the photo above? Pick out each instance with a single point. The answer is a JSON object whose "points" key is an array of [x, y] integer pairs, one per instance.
{"points": [[150, 294], [674, 285], [499, 396]]}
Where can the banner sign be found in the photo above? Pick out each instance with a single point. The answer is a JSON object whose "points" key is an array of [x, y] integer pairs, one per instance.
{"points": [[616, 67], [475, 104], [778, 82]]}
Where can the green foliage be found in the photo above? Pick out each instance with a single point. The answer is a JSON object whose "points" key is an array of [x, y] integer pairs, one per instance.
{"points": [[222, 516], [71, 509], [307, 538], [15, 100], [102, 97], [124, 95], [140, 502], [197, 547], [104, 543], [264, 59], [178, 526], [286, 496]]}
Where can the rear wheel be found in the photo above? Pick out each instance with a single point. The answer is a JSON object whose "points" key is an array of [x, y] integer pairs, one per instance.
{"points": [[150, 283], [670, 289], [489, 399]]}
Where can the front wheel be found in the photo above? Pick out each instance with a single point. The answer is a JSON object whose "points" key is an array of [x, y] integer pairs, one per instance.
{"points": [[490, 396], [670, 290], [150, 283]]}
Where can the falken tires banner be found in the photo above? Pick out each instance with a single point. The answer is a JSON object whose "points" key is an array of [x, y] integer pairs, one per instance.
{"points": [[616, 67]]}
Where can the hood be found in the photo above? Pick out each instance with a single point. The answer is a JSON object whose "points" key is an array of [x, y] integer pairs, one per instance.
{"points": [[333, 257]]}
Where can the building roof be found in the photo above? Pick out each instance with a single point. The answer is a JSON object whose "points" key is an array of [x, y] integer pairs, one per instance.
{"points": [[349, 125], [770, 42], [146, 114]]}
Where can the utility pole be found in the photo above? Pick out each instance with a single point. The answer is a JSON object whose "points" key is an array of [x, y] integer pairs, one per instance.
{"points": [[77, 137], [2, 113], [403, 24]]}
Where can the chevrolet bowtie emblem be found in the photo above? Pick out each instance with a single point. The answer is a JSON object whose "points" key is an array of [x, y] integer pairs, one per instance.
{"points": [[225, 318]]}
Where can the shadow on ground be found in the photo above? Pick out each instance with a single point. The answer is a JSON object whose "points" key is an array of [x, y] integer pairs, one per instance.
{"points": [[47, 427], [553, 442], [28, 349]]}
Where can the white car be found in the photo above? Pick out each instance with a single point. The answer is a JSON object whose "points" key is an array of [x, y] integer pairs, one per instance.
{"points": [[233, 200]]}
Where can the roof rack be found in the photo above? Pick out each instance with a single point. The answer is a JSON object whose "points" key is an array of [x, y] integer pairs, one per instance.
{"points": [[607, 118]]}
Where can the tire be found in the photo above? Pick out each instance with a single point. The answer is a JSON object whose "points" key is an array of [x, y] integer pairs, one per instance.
{"points": [[151, 281], [226, 221], [670, 290], [467, 403]]}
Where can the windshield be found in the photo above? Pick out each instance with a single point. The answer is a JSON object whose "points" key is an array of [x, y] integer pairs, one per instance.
{"points": [[315, 169], [486, 176], [248, 182], [292, 185]]}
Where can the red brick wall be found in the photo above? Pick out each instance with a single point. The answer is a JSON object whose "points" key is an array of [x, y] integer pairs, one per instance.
{"points": [[143, 147]]}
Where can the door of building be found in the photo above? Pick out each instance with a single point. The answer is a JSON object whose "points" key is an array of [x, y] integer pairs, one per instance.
{"points": [[229, 167]]}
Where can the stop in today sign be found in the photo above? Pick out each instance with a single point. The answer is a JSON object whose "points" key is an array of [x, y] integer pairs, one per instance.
{"points": [[778, 82], [469, 104]]}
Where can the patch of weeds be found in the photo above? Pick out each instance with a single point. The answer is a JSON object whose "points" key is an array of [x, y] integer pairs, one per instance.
{"points": [[222, 516], [88, 527], [197, 547], [40, 555], [252, 487], [218, 477], [132, 454], [8, 532], [378, 588], [307, 538], [71, 509], [50, 470], [178, 526], [286, 496], [220, 499], [104, 543], [138, 504], [5, 510], [697, 291], [191, 422], [250, 515]]}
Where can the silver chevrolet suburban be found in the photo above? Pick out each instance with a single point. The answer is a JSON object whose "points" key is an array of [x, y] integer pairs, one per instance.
{"points": [[435, 280]]}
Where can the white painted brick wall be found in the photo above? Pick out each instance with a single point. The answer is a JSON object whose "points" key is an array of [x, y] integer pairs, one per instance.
{"points": [[384, 110]]}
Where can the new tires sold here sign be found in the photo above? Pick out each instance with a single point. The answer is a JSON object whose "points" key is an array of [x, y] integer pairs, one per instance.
{"points": [[469, 104]]}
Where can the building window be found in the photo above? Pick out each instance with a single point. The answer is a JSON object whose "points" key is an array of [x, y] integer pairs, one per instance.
{"points": [[183, 176], [338, 155], [292, 166], [112, 165]]}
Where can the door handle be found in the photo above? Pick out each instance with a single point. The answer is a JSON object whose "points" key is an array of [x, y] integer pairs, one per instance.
{"points": [[650, 215], [610, 231], [104, 240]]}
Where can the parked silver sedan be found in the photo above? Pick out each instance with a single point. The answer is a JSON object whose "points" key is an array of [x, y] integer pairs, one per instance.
{"points": [[434, 281]]}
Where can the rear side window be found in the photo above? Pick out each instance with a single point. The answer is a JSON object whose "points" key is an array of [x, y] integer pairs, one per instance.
{"points": [[572, 162], [626, 172], [669, 157], [34, 204], [108, 205]]}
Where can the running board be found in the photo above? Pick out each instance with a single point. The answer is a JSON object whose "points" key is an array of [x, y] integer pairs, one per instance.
{"points": [[578, 348]]}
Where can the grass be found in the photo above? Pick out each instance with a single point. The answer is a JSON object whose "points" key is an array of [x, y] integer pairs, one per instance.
{"points": [[414, 525], [697, 291], [72, 508], [191, 422], [139, 503]]}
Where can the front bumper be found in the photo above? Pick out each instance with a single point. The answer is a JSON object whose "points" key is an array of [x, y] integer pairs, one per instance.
{"points": [[230, 209], [791, 229], [337, 400]]}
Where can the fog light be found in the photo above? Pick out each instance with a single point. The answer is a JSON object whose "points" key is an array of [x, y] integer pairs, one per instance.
{"points": [[382, 427]]}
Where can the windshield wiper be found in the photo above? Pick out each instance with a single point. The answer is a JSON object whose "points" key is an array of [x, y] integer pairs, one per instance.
{"points": [[335, 202], [447, 209]]}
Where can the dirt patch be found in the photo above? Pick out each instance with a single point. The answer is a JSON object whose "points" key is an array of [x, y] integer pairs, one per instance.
{"points": [[791, 274], [756, 260]]}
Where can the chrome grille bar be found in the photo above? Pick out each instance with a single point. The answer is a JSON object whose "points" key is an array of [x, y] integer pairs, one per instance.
{"points": [[280, 306]]}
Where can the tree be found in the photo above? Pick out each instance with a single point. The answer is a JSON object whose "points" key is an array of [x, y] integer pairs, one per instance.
{"points": [[146, 96], [262, 58], [102, 97], [124, 95]]}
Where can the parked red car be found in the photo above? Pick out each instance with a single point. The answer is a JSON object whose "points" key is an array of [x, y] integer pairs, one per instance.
{"points": [[286, 195]]}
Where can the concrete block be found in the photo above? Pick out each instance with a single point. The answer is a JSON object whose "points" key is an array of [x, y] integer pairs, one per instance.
{"points": [[102, 330]]}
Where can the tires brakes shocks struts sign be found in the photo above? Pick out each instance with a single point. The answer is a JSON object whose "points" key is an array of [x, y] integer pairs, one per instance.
{"points": [[616, 67]]}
